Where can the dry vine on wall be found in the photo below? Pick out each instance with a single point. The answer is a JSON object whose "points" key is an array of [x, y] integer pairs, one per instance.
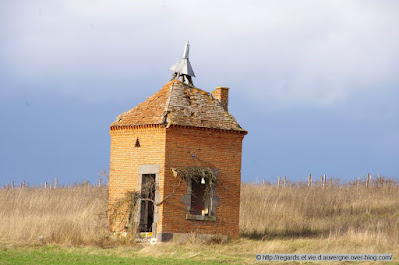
{"points": [[128, 205]]}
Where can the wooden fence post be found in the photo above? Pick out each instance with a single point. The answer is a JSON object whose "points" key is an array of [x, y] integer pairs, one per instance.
{"points": [[45, 185], [12, 184], [99, 182], [310, 180], [323, 180], [55, 182], [369, 180], [285, 181], [278, 182]]}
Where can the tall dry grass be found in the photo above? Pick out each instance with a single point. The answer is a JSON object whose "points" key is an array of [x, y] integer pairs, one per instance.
{"points": [[77, 215], [299, 211], [69, 215]]}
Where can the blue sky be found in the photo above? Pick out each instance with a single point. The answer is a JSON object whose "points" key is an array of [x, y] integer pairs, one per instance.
{"points": [[314, 82]]}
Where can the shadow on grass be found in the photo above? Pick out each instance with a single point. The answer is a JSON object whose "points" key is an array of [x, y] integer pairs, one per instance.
{"points": [[283, 234]]}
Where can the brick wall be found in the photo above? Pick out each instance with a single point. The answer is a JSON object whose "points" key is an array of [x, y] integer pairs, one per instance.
{"points": [[175, 147], [126, 158], [221, 149]]}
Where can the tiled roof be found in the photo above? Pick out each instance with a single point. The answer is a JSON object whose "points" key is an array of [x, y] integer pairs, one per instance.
{"points": [[179, 104]]}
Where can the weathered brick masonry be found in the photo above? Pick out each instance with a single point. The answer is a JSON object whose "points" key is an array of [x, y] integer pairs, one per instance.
{"points": [[223, 150], [175, 128], [126, 159]]}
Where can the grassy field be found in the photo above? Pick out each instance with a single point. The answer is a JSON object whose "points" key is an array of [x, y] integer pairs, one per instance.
{"points": [[53, 255], [69, 226]]}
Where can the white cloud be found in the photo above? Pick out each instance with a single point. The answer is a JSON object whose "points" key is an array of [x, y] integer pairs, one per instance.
{"points": [[285, 52]]}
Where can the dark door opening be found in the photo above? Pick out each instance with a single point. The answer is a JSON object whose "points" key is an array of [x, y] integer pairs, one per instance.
{"points": [[147, 205]]}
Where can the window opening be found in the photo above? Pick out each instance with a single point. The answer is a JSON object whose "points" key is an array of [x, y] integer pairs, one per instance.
{"points": [[201, 200], [198, 199], [137, 143]]}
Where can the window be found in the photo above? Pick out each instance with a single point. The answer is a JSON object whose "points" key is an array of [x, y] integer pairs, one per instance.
{"points": [[198, 199], [137, 143], [201, 201]]}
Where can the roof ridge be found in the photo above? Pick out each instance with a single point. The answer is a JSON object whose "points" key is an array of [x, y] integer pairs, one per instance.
{"points": [[170, 95]]}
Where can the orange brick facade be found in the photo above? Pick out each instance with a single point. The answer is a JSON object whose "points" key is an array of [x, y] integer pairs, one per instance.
{"points": [[126, 159], [178, 146], [221, 149]]}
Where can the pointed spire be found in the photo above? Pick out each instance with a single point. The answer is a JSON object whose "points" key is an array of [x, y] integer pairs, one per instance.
{"points": [[183, 67], [186, 50]]}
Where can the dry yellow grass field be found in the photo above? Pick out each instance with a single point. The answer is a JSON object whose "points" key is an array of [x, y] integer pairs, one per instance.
{"points": [[292, 219], [70, 215], [299, 211]]}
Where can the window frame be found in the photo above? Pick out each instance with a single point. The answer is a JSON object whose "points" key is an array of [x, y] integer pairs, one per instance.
{"points": [[212, 201]]}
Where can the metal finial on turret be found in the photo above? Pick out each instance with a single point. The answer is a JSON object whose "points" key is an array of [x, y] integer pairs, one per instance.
{"points": [[183, 67], [186, 50]]}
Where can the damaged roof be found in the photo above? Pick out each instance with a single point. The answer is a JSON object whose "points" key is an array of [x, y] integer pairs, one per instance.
{"points": [[179, 104]]}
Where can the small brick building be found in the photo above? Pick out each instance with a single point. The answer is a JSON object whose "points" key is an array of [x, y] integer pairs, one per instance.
{"points": [[178, 127]]}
